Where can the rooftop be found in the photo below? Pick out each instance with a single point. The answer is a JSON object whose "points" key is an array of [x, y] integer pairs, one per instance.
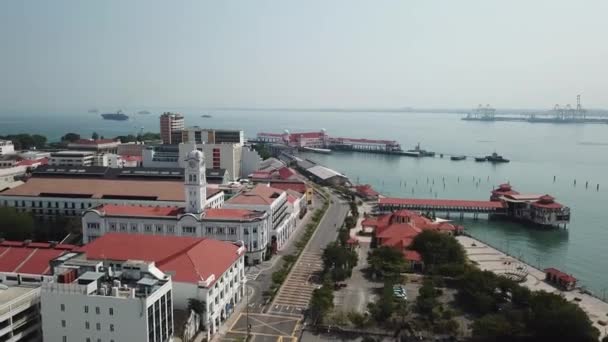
{"points": [[324, 172], [29, 258], [440, 202], [260, 195], [188, 259], [154, 190], [297, 186], [92, 142]]}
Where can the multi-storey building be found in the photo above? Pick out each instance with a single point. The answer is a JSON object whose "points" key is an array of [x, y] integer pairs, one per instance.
{"points": [[97, 146], [218, 156], [209, 270], [73, 158], [6, 148], [199, 135], [90, 302], [195, 219], [272, 201], [171, 126], [69, 191]]}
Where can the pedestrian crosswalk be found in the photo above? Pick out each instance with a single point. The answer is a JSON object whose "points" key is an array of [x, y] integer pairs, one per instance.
{"points": [[252, 273]]}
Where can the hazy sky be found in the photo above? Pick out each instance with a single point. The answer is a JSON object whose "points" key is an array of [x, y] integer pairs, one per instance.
{"points": [[65, 55]]}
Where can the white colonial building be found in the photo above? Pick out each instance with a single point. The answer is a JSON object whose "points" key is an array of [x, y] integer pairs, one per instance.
{"points": [[194, 219]]}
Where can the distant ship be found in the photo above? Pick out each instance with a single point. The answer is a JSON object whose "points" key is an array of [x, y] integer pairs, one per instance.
{"points": [[144, 112], [421, 152], [93, 111], [119, 115], [496, 158], [458, 157], [206, 116]]}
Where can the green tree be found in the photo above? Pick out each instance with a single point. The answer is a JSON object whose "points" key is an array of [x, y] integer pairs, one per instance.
{"points": [[385, 306], [70, 137], [553, 318], [339, 261], [438, 249], [321, 302], [15, 225], [386, 261], [94, 136], [263, 151], [494, 327]]}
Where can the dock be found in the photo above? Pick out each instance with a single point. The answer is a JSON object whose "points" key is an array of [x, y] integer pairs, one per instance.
{"points": [[462, 207]]}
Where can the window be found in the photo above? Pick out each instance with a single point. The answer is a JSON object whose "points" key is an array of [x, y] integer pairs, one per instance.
{"points": [[255, 244], [123, 227], [159, 228], [64, 339], [220, 230], [62, 306], [246, 231], [255, 230], [63, 323], [209, 230], [93, 225], [170, 229], [86, 309], [88, 339], [97, 311], [147, 227], [111, 311], [98, 326], [232, 231], [111, 327], [134, 227], [86, 325], [188, 230]]}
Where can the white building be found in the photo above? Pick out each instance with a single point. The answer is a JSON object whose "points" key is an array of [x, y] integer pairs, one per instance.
{"points": [[209, 270], [72, 195], [73, 158], [199, 135], [250, 161], [272, 201], [218, 156], [19, 313], [6, 148], [34, 155], [166, 156], [9, 175], [90, 302], [195, 219], [98, 146], [23, 267]]}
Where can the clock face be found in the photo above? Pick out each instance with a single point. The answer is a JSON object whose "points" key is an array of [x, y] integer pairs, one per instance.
{"points": [[192, 163]]}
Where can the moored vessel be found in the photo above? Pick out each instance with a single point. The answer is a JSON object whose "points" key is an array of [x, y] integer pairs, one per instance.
{"points": [[119, 116]]}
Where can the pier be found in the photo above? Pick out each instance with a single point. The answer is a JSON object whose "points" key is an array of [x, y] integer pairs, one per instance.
{"points": [[461, 207]]}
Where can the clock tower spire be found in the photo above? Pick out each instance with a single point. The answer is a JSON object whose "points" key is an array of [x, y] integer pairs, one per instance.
{"points": [[195, 183]]}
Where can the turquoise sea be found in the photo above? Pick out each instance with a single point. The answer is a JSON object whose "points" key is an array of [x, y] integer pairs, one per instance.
{"points": [[538, 152]]}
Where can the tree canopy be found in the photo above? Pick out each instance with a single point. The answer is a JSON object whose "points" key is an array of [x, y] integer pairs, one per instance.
{"points": [[339, 261], [15, 225], [70, 137], [26, 141], [438, 248], [386, 261]]}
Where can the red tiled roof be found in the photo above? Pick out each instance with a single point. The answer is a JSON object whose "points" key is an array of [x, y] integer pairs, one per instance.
{"points": [[97, 188], [189, 259], [369, 141], [285, 173], [138, 211], [399, 231], [366, 190], [32, 258], [295, 186], [412, 255], [561, 275], [440, 202], [261, 195], [232, 214], [30, 162]]}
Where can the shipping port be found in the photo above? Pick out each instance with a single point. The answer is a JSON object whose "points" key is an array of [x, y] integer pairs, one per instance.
{"points": [[560, 114]]}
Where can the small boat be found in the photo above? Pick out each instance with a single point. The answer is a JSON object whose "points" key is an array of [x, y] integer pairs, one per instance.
{"points": [[143, 112], [421, 152], [206, 116], [458, 157], [119, 116], [496, 158], [410, 154], [93, 111], [481, 159]]}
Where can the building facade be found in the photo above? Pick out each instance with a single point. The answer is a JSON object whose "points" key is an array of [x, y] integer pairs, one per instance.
{"points": [[6, 148], [89, 302], [171, 126], [97, 146], [209, 270], [199, 135], [194, 219], [73, 158]]}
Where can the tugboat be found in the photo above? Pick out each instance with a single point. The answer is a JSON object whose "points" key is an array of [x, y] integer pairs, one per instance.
{"points": [[206, 116], [119, 116], [496, 158], [421, 152], [481, 159], [458, 157]]}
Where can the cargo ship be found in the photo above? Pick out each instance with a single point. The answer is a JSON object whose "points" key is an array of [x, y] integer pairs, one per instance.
{"points": [[119, 116]]}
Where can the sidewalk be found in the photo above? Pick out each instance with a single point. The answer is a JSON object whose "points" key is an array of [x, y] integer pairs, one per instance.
{"points": [[225, 327], [491, 259]]}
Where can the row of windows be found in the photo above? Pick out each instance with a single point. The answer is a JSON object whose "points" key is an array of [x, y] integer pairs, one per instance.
{"points": [[86, 309], [88, 339]]}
